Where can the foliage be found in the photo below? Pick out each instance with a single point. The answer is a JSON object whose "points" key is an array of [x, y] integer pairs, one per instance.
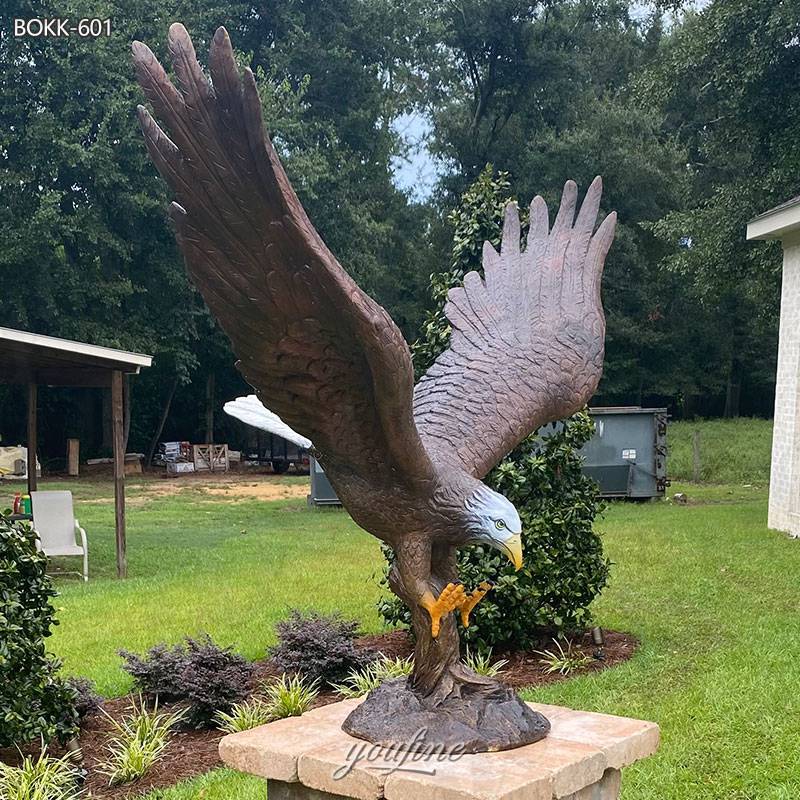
{"points": [[542, 90], [481, 663], [44, 778], [244, 716], [362, 681], [87, 701], [158, 673], [316, 646], [35, 702], [210, 677], [561, 660], [564, 567], [88, 252], [724, 85], [141, 737], [290, 696]]}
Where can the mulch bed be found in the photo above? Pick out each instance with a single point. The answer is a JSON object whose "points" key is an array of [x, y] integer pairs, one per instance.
{"points": [[194, 752]]}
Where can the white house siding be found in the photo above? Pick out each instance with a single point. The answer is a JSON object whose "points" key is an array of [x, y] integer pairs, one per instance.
{"points": [[784, 493]]}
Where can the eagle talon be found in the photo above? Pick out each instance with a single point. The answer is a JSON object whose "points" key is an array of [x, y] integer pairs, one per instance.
{"points": [[450, 598], [471, 600]]}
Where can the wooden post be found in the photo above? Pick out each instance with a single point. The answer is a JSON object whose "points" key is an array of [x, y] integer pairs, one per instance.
{"points": [[117, 425], [32, 398], [210, 384], [73, 457], [696, 466]]}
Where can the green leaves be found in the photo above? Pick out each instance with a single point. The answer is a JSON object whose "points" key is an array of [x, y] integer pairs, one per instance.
{"points": [[35, 702]]}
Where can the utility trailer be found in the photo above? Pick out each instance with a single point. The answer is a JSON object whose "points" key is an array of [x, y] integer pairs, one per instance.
{"points": [[279, 452]]}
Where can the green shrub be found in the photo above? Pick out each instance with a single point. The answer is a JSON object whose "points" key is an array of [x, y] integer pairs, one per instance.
{"points": [[34, 701], [564, 567], [320, 648], [210, 677], [45, 778]]}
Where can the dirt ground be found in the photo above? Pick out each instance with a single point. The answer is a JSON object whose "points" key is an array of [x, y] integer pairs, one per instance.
{"points": [[230, 486]]}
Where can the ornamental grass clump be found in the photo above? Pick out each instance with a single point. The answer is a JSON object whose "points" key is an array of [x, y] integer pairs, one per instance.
{"points": [[244, 716], [481, 663], [290, 696], [43, 778], [561, 660], [362, 681], [141, 738]]}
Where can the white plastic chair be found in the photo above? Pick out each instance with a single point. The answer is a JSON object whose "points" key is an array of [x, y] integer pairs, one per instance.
{"points": [[55, 526]]}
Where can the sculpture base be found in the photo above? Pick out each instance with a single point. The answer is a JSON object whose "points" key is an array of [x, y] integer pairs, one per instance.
{"points": [[477, 722], [312, 758]]}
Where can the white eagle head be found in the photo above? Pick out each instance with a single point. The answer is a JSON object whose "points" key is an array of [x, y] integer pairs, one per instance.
{"points": [[493, 520]]}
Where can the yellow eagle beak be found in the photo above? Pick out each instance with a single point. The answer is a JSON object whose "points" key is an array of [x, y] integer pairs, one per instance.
{"points": [[513, 549]]}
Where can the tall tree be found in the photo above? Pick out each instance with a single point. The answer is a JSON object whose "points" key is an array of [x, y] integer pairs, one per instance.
{"points": [[726, 85], [87, 252], [542, 91]]}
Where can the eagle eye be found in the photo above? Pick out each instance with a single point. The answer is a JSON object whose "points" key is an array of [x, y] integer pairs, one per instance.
{"points": [[500, 524]]}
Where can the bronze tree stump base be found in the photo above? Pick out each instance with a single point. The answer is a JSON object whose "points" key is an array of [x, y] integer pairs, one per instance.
{"points": [[477, 722]]}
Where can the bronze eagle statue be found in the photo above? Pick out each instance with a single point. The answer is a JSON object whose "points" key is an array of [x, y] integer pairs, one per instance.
{"points": [[406, 461]]}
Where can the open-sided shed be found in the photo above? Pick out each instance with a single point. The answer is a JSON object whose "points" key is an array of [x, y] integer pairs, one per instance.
{"points": [[34, 360]]}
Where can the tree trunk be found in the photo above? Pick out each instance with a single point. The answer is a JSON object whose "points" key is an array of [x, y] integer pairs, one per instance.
{"points": [[164, 414]]}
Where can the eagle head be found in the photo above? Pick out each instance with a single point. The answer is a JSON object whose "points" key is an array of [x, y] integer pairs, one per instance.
{"points": [[493, 520]]}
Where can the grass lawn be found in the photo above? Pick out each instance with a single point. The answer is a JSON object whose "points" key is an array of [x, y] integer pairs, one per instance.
{"points": [[712, 594], [731, 450]]}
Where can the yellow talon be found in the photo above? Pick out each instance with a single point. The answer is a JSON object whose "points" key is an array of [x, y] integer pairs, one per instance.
{"points": [[451, 598], [471, 600]]}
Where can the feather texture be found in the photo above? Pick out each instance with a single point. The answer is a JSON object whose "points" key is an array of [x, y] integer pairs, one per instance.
{"points": [[318, 350], [527, 338]]}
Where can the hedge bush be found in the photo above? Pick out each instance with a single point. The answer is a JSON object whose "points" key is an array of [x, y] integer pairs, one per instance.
{"points": [[34, 701], [316, 647]]}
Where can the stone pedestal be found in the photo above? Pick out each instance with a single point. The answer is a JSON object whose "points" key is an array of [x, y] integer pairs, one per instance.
{"points": [[311, 758]]}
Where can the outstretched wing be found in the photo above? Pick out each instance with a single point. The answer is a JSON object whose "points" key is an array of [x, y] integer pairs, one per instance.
{"points": [[320, 352], [253, 412], [527, 340]]}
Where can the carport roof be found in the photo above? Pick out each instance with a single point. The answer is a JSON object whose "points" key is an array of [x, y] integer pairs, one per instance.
{"points": [[46, 360]]}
